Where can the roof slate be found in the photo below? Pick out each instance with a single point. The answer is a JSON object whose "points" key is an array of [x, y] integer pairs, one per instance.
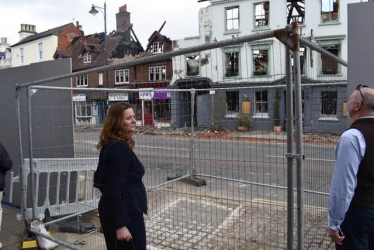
{"points": [[53, 31]]}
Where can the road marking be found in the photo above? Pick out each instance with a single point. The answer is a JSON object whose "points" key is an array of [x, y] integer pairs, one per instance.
{"points": [[182, 149], [312, 159], [284, 204], [140, 146]]}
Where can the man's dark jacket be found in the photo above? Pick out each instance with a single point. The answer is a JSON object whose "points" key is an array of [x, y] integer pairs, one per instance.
{"points": [[5, 165]]}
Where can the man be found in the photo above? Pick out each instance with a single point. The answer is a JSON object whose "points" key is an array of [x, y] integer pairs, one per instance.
{"points": [[351, 206], [5, 165]]}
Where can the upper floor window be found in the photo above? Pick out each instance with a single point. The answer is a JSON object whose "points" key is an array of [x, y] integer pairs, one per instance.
{"points": [[232, 63], [158, 47], [82, 81], [261, 14], [330, 10], [296, 11], [21, 56], [7, 55], [87, 57], [40, 51], [330, 66], [193, 65], [232, 18], [260, 62], [157, 73], [329, 103], [122, 76]]}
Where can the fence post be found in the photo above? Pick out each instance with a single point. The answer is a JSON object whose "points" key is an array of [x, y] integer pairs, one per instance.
{"points": [[192, 146], [290, 149], [20, 174], [299, 137], [33, 200]]}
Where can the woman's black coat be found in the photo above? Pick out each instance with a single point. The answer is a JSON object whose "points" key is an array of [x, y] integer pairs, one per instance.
{"points": [[119, 178]]}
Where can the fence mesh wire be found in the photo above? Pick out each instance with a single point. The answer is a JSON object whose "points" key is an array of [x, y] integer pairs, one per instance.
{"points": [[209, 185]]}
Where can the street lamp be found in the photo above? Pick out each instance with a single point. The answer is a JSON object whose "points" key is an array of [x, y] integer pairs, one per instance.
{"points": [[94, 11]]}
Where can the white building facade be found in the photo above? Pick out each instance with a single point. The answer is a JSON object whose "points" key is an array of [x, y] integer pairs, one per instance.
{"points": [[262, 63]]}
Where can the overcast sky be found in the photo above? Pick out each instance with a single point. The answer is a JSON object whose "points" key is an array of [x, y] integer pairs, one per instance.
{"points": [[181, 16]]}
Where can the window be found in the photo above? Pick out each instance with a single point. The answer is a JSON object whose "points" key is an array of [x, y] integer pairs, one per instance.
{"points": [[162, 109], [330, 10], [329, 66], [261, 14], [21, 56], [261, 105], [158, 47], [295, 11], [329, 103], [260, 62], [232, 18], [7, 54], [82, 81], [87, 57], [122, 76], [302, 59], [83, 110], [157, 73], [232, 64], [40, 51], [232, 103], [101, 78], [193, 65]]}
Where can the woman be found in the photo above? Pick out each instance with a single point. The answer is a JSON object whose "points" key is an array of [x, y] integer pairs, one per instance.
{"points": [[119, 178]]}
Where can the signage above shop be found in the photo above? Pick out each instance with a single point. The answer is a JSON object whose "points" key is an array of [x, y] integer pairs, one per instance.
{"points": [[79, 97], [115, 97]]}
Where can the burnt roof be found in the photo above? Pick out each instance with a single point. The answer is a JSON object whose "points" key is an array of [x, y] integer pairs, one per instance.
{"points": [[50, 32]]}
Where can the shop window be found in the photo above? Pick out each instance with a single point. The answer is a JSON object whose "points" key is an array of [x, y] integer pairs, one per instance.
{"points": [[83, 110], [261, 14], [260, 62], [232, 103], [162, 110], [330, 10], [329, 103], [232, 18], [261, 103]]}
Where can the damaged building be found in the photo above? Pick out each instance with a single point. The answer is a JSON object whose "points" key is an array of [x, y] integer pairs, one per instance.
{"points": [[262, 63], [151, 108]]}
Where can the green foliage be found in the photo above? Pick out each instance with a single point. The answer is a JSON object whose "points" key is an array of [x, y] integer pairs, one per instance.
{"points": [[276, 109], [245, 120]]}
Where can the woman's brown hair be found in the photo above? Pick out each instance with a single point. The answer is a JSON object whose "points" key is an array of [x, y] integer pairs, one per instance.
{"points": [[113, 127]]}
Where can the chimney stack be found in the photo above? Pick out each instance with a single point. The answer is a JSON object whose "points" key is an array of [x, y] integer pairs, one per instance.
{"points": [[3, 41], [78, 26], [26, 30], [123, 21]]}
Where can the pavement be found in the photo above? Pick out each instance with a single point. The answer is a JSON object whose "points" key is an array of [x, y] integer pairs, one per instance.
{"points": [[11, 230]]}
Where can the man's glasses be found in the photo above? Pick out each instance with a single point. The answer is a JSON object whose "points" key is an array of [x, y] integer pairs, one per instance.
{"points": [[358, 88]]}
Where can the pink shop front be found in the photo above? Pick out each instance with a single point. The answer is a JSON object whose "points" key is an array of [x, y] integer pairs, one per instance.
{"points": [[153, 108]]}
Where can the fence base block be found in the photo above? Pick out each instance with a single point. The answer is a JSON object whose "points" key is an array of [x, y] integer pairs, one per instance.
{"points": [[194, 181]]}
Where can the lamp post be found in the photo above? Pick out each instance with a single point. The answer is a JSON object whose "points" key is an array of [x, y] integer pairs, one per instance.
{"points": [[94, 11]]}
